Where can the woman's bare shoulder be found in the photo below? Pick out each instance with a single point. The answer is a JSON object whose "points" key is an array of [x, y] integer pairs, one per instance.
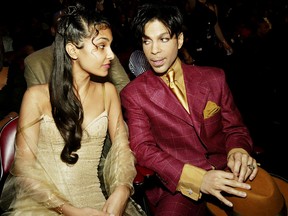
{"points": [[108, 87]]}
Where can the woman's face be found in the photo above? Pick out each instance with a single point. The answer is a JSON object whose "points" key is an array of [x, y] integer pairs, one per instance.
{"points": [[95, 57]]}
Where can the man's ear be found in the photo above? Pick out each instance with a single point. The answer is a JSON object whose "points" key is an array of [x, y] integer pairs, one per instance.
{"points": [[72, 51], [180, 40]]}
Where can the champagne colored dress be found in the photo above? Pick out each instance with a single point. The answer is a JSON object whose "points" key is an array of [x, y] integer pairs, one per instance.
{"points": [[47, 182]]}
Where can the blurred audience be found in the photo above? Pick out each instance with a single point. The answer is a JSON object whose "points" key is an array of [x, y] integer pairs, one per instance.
{"points": [[205, 41], [12, 83]]}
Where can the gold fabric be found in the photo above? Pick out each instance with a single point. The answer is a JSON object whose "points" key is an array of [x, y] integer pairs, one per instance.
{"points": [[211, 109], [190, 181], [176, 90], [46, 182]]}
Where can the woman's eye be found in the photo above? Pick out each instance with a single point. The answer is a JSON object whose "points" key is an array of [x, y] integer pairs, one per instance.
{"points": [[101, 46]]}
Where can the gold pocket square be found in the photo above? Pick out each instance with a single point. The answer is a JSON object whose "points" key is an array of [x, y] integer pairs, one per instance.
{"points": [[210, 109]]}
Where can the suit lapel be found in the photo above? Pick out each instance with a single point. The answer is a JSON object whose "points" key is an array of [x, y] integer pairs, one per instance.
{"points": [[196, 90], [161, 95], [197, 94]]}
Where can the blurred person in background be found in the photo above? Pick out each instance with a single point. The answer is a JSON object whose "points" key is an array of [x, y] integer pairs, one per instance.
{"points": [[204, 39]]}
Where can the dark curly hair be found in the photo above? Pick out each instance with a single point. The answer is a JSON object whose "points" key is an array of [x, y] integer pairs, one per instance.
{"points": [[75, 24]]}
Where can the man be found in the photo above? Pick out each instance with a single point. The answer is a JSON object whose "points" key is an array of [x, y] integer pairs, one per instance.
{"points": [[197, 149]]}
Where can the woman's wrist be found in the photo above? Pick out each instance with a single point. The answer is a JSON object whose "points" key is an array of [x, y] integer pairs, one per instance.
{"points": [[59, 209], [124, 189]]}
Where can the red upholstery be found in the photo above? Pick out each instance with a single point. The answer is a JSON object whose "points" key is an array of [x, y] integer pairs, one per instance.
{"points": [[141, 182], [142, 172], [7, 140]]}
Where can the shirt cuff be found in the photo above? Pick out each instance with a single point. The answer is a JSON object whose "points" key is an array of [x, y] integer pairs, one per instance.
{"points": [[190, 181]]}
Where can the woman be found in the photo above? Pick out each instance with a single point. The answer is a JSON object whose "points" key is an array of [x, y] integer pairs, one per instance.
{"points": [[62, 127]]}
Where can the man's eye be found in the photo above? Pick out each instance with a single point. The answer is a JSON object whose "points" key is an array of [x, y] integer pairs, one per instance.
{"points": [[146, 42], [165, 39]]}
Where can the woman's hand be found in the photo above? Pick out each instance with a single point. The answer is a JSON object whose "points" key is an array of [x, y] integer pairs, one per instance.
{"points": [[117, 201], [69, 210]]}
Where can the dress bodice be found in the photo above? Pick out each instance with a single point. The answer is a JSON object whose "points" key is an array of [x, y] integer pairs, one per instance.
{"points": [[78, 180]]}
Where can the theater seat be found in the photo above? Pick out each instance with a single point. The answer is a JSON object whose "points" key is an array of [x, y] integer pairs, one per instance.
{"points": [[7, 141]]}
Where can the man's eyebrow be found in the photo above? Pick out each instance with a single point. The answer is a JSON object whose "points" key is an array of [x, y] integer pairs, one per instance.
{"points": [[145, 37], [159, 36]]}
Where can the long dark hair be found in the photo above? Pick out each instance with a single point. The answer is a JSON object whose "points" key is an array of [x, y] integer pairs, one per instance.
{"points": [[73, 26]]}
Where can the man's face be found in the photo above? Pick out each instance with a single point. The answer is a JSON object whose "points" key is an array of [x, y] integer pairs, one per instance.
{"points": [[160, 49]]}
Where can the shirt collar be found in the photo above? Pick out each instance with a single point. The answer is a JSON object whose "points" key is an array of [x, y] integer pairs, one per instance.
{"points": [[176, 66]]}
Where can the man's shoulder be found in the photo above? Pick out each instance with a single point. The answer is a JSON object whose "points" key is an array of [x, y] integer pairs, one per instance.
{"points": [[46, 52], [206, 71], [142, 78], [139, 82]]}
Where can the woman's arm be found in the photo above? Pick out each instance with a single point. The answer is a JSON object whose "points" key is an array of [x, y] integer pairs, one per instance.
{"points": [[119, 168], [30, 178]]}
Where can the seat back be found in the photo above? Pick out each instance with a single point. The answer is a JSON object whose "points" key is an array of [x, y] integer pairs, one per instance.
{"points": [[7, 141]]}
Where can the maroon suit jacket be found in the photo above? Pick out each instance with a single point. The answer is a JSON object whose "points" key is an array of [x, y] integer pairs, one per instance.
{"points": [[164, 136]]}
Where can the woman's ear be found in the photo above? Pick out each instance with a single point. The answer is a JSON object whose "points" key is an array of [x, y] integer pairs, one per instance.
{"points": [[72, 50], [180, 40]]}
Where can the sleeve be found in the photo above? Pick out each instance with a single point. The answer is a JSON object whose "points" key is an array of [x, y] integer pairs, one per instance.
{"points": [[190, 181], [119, 167], [142, 141], [29, 74], [117, 74], [33, 183]]}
